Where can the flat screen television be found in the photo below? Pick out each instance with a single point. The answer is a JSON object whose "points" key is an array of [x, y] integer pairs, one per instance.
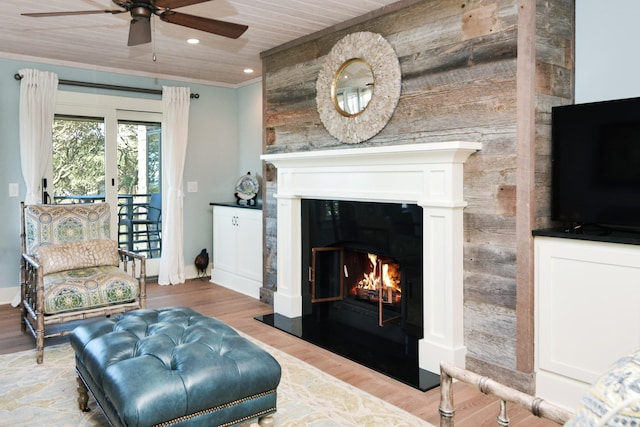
{"points": [[596, 164]]}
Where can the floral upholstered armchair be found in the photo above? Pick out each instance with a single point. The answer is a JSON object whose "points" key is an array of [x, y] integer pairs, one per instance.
{"points": [[72, 269]]}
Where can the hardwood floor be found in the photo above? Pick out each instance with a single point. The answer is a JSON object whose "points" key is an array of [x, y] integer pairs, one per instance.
{"points": [[473, 409]]}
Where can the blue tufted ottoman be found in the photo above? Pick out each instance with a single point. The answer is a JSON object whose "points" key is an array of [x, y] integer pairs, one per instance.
{"points": [[173, 367]]}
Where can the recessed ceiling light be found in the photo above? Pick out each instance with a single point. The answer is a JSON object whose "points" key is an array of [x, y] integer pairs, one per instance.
{"points": [[193, 41], [248, 70]]}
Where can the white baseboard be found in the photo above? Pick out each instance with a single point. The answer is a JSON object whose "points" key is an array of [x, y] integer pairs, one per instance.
{"points": [[236, 283], [560, 390]]}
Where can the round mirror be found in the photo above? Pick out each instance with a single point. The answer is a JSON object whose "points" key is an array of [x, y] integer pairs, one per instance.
{"points": [[358, 87], [352, 87]]}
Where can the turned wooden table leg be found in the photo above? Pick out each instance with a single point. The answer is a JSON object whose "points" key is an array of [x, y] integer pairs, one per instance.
{"points": [[83, 395]]}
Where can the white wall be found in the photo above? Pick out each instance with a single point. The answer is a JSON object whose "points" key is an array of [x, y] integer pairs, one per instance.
{"points": [[250, 128], [607, 50]]}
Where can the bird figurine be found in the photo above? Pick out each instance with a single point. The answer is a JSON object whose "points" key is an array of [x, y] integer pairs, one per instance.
{"points": [[202, 262]]}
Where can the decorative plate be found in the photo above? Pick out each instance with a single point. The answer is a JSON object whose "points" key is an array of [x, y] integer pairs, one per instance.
{"points": [[247, 187]]}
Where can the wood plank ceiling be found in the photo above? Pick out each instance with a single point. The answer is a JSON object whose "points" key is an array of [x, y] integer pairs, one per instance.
{"points": [[99, 41]]}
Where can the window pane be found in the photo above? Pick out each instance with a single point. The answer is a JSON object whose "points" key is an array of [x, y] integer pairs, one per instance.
{"points": [[78, 158], [139, 192], [139, 157]]}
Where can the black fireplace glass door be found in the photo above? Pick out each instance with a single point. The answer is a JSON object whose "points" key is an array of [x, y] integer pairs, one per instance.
{"points": [[326, 274], [390, 230]]}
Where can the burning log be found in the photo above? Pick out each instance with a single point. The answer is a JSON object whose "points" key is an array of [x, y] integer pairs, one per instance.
{"points": [[382, 282]]}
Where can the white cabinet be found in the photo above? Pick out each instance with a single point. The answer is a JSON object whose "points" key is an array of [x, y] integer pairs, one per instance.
{"points": [[587, 315], [237, 249]]}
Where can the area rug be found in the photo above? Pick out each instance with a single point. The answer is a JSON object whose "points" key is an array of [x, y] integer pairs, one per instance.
{"points": [[45, 395]]}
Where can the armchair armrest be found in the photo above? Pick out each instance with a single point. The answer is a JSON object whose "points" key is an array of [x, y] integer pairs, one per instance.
{"points": [[130, 256], [32, 261], [31, 291], [535, 405], [130, 261]]}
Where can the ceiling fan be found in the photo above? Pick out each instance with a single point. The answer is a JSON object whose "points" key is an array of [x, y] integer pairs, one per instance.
{"points": [[142, 11]]}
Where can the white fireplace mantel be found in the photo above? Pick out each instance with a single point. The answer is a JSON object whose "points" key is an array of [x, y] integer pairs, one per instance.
{"points": [[430, 175]]}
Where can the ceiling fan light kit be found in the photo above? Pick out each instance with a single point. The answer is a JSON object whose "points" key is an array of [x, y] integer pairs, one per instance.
{"points": [[142, 10], [139, 32]]}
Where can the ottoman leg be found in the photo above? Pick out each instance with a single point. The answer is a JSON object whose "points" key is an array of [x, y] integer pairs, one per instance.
{"points": [[266, 421], [83, 395]]}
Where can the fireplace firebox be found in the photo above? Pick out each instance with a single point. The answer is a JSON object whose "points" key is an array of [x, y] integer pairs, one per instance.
{"points": [[367, 254]]}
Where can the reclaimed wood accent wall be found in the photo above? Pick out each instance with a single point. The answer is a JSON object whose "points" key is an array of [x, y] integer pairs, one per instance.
{"points": [[460, 81]]}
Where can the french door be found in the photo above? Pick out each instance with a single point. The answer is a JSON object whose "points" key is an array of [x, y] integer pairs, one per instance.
{"points": [[107, 148]]}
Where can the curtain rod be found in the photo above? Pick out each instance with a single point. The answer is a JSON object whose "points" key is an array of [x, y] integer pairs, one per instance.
{"points": [[110, 87]]}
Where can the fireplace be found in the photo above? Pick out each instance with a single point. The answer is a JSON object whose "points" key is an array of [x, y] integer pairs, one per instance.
{"points": [[429, 178]]}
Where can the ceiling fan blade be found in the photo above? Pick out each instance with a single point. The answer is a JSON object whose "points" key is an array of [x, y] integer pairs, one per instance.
{"points": [[139, 32], [77, 12], [221, 28], [174, 4]]}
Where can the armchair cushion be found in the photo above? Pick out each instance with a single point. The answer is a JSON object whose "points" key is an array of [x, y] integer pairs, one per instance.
{"points": [[56, 224], [84, 288], [71, 256]]}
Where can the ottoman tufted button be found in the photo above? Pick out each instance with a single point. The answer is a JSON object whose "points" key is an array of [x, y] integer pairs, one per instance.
{"points": [[158, 346]]}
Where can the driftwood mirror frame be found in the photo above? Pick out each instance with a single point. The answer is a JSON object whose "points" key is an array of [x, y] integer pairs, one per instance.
{"points": [[379, 54]]}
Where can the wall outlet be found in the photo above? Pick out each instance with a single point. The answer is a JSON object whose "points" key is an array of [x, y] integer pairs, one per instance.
{"points": [[192, 187], [14, 189]]}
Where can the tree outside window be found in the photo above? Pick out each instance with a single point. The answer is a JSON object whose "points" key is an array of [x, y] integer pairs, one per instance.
{"points": [[79, 163]]}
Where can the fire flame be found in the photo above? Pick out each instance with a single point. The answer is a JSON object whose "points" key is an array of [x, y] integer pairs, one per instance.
{"points": [[384, 277]]}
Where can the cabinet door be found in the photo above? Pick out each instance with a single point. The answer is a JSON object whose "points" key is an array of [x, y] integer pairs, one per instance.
{"points": [[587, 316], [224, 238], [249, 238]]}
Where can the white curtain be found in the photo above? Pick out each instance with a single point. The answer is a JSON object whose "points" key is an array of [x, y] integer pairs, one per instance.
{"points": [[37, 107], [175, 130]]}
